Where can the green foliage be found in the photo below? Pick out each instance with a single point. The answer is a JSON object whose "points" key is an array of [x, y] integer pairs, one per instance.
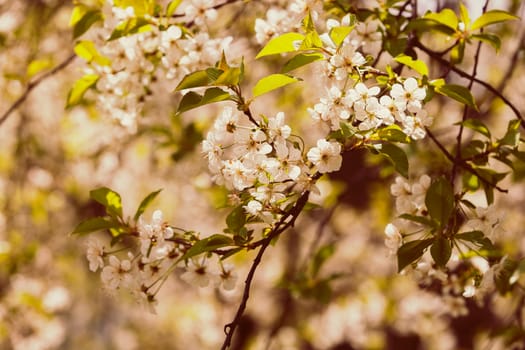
{"points": [[193, 100], [79, 89], [95, 224], [492, 17], [272, 82], [411, 251], [86, 49], [301, 60], [441, 250], [207, 244], [477, 125], [440, 201], [130, 26], [172, 7], [109, 199], [144, 204], [236, 219], [396, 156], [458, 93], [284, 43], [417, 65]]}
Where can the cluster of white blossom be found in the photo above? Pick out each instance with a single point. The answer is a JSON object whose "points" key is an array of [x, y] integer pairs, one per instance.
{"points": [[262, 158], [136, 66], [158, 254]]}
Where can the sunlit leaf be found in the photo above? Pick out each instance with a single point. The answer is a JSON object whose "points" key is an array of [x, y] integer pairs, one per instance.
{"points": [[109, 199], [272, 82], [85, 22], [196, 79], [284, 43], [95, 224], [193, 100], [477, 125], [301, 60], [145, 203], [417, 65], [446, 17], [86, 49], [208, 244], [172, 7], [79, 89], [458, 93], [488, 38], [492, 17]]}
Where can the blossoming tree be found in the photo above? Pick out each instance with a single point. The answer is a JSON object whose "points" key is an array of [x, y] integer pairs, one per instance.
{"points": [[284, 103]]}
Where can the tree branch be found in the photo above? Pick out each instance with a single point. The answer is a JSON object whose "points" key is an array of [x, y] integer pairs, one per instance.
{"points": [[34, 84]]}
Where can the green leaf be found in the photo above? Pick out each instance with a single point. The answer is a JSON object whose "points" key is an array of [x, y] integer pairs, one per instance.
{"points": [[458, 52], [339, 34], [193, 100], [208, 244], [476, 125], [446, 17], [86, 49], [236, 219], [172, 7], [464, 15], [145, 203], [492, 17], [130, 26], [393, 133], [396, 156], [229, 77], [79, 89], [300, 60], [476, 237], [322, 255], [488, 38], [196, 79], [441, 251], [109, 199], [37, 66], [440, 201], [411, 251], [272, 82], [417, 65], [85, 22], [419, 219], [458, 93], [95, 224], [281, 44], [512, 136]]}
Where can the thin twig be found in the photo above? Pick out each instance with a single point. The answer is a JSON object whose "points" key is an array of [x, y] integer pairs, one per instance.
{"points": [[464, 74], [459, 137], [462, 163], [34, 84]]}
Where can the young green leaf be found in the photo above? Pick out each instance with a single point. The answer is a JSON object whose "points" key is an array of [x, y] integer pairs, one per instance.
{"points": [[208, 244], [476, 237], [130, 26], [411, 251], [236, 219], [440, 201], [193, 100], [339, 34], [145, 203], [300, 60], [446, 17], [441, 251], [458, 93], [281, 44], [396, 156], [393, 133], [79, 89], [476, 125], [417, 65], [86, 49], [172, 7], [272, 82], [95, 224], [492, 17], [195, 79], [488, 38], [109, 199], [85, 22]]}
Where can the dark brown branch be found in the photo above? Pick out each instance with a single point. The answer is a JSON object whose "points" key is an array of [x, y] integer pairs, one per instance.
{"points": [[462, 163], [279, 228], [34, 84], [459, 137], [466, 75]]}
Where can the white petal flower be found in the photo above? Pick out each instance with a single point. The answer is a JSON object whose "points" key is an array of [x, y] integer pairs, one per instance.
{"points": [[326, 156]]}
